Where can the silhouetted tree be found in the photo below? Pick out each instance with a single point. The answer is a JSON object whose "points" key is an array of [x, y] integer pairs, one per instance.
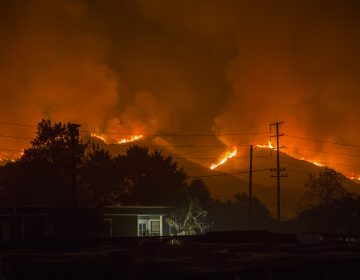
{"points": [[327, 206], [197, 189], [259, 210], [339, 215], [151, 178], [233, 214], [323, 188], [100, 178], [53, 143], [42, 175]]}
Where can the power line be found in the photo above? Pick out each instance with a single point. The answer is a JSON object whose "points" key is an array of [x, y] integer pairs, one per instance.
{"points": [[213, 158], [174, 135], [350, 165], [325, 152], [213, 147], [10, 150], [150, 135], [17, 124], [250, 185], [309, 163], [175, 146], [298, 171], [227, 174], [16, 137], [193, 135], [323, 141], [317, 151], [200, 150], [277, 169]]}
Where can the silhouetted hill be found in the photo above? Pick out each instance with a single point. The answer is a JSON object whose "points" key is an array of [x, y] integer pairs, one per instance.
{"points": [[221, 185], [224, 185], [292, 186]]}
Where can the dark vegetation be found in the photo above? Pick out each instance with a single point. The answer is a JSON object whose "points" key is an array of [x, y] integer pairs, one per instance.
{"points": [[57, 159], [327, 206]]}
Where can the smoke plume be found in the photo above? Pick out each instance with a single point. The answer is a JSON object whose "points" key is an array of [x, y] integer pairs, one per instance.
{"points": [[193, 67]]}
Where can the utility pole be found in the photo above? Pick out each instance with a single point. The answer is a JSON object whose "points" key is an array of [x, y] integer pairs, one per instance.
{"points": [[250, 186], [278, 169], [74, 134]]}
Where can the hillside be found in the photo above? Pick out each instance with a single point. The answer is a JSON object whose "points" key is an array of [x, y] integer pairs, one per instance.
{"points": [[292, 186], [223, 184]]}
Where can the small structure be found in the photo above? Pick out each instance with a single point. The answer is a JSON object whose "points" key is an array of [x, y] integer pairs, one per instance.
{"points": [[28, 223]]}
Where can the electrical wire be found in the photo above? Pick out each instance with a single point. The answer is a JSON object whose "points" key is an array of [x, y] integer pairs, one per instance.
{"points": [[17, 124], [173, 135], [227, 174], [175, 146], [16, 137], [10, 150], [325, 152], [213, 147], [323, 141]]}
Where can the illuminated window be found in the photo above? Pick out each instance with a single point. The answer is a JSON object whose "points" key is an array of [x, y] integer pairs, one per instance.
{"points": [[143, 230], [155, 228]]}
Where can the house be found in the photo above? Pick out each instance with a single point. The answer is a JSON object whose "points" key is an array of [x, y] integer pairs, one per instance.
{"points": [[28, 223]]}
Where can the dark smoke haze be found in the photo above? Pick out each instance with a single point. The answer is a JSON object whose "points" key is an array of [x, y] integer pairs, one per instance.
{"points": [[186, 67]]}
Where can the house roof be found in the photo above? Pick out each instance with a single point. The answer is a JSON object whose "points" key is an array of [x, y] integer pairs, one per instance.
{"points": [[108, 210]]}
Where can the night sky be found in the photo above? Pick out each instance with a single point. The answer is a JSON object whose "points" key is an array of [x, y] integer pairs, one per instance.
{"points": [[196, 67]]}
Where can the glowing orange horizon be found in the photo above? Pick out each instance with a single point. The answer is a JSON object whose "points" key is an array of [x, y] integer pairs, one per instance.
{"points": [[6, 156]]}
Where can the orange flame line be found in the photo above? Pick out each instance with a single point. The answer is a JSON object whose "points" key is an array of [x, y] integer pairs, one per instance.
{"points": [[224, 159], [121, 141]]}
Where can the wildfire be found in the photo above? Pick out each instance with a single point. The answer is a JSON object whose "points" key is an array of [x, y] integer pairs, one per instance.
{"points": [[357, 179], [102, 138], [10, 156], [224, 158], [314, 162], [268, 146], [132, 138]]}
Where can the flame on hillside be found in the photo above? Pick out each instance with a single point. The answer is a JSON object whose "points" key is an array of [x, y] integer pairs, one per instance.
{"points": [[271, 147], [317, 163], [9, 156], [130, 139], [268, 146], [102, 138], [355, 178], [105, 139], [314, 162], [224, 158]]}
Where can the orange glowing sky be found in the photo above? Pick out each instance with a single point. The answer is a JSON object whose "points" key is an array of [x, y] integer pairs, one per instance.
{"points": [[187, 67]]}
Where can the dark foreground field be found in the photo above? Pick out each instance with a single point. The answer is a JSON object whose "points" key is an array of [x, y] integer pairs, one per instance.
{"points": [[216, 256]]}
